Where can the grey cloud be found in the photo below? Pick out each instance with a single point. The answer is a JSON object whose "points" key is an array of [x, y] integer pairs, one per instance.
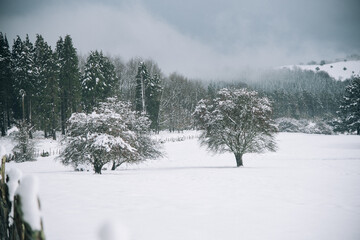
{"points": [[208, 39]]}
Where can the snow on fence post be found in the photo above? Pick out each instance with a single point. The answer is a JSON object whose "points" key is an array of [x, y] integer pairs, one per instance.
{"points": [[20, 214], [4, 204], [27, 217], [113, 230]]}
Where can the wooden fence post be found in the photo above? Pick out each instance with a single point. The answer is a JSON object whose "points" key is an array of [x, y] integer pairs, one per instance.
{"points": [[3, 160], [4, 203]]}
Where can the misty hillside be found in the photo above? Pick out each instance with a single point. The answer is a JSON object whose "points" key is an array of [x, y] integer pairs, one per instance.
{"points": [[339, 70]]}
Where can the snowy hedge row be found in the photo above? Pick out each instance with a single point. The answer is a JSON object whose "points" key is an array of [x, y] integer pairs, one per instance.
{"points": [[304, 126]]}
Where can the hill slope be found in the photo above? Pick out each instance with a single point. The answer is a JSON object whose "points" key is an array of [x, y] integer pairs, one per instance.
{"points": [[338, 70]]}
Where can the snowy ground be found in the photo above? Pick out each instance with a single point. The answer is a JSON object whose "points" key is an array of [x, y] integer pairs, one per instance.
{"points": [[308, 189]]}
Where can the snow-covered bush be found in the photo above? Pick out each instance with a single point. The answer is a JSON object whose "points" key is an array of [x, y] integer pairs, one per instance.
{"points": [[237, 121], [303, 126], [111, 134]]}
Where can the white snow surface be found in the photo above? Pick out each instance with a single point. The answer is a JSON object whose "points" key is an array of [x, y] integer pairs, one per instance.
{"points": [[113, 230], [28, 192], [308, 189], [335, 70], [14, 176], [6, 146]]}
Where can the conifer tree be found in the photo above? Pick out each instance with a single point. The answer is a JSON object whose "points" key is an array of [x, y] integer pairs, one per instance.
{"points": [[24, 149], [350, 108], [153, 93], [48, 91], [148, 95], [23, 71], [69, 79], [142, 78], [98, 80], [6, 93]]}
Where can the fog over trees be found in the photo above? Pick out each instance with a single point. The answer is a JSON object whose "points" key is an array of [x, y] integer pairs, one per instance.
{"points": [[59, 82]]}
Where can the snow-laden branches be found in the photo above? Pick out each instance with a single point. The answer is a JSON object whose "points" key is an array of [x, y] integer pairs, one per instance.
{"points": [[237, 121], [111, 133], [349, 113]]}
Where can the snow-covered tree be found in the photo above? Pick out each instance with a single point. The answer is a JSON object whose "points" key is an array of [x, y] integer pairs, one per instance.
{"points": [[24, 74], [127, 73], [69, 79], [98, 80], [48, 90], [179, 98], [350, 108], [6, 93], [237, 121], [148, 92], [110, 134], [153, 93], [24, 149], [142, 79]]}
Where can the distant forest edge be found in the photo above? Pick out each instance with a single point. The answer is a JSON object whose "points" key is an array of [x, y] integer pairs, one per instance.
{"points": [[54, 83]]}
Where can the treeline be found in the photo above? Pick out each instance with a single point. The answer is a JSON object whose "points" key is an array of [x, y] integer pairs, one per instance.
{"points": [[54, 83], [39, 85], [301, 93], [297, 93], [44, 86]]}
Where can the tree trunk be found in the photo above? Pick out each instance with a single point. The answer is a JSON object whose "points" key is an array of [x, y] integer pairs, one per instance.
{"points": [[116, 165], [53, 121], [54, 134], [62, 118], [97, 169], [8, 118], [98, 166], [3, 132], [113, 166], [239, 161]]}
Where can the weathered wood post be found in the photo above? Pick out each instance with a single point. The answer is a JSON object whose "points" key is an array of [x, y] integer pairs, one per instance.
{"points": [[24, 228], [4, 203]]}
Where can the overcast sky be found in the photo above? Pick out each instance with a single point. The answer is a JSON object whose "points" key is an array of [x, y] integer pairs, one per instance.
{"points": [[200, 39]]}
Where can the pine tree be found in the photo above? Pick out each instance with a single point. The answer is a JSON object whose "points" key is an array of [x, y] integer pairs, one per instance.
{"points": [[48, 91], [142, 78], [69, 79], [148, 95], [153, 93], [98, 80], [350, 108], [24, 149], [6, 93], [23, 71], [18, 75]]}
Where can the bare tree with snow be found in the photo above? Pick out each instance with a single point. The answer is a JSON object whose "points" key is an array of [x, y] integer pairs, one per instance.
{"points": [[237, 121]]}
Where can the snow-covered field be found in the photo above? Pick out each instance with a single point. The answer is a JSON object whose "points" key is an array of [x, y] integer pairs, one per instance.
{"points": [[338, 70], [308, 189]]}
